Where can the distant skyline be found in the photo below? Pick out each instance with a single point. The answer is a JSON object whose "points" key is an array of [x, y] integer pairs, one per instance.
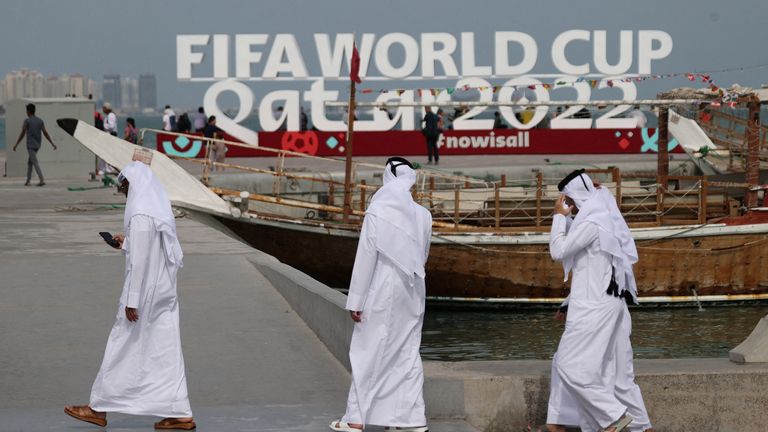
{"points": [[125, 93], [97, 38]]}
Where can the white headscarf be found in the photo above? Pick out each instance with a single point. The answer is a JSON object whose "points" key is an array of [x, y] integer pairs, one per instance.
{"points": [[398, 234], [598, 206], [146, 196]]}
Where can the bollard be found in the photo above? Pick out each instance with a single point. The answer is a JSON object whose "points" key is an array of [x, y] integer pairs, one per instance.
{"points": [[243, 205]]}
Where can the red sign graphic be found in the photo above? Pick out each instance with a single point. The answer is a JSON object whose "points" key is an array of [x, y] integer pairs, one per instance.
{"points": [[470, 142]]}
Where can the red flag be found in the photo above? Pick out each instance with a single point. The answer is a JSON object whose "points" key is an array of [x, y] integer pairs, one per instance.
{"points": [[354, 68]]}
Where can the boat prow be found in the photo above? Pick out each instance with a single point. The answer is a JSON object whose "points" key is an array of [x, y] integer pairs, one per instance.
{"points": [[182, 188]]}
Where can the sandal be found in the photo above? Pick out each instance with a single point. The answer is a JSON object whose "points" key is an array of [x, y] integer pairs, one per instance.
{"points": [[86, 414], [621, 423], [174, 423], [409, 429], [340, 426]]}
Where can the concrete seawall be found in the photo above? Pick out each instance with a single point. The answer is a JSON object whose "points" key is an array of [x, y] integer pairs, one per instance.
{"points": [[709, 394], [321, 307]]}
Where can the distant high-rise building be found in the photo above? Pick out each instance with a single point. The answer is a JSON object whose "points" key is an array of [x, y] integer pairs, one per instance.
{"points": [[130, 89], [53, 87], [147, 92], [112, 91], [94, 88], [24, 83], [78, 85]]}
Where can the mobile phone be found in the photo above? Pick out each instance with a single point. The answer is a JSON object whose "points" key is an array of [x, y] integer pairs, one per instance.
{"points": [[109, 239]]}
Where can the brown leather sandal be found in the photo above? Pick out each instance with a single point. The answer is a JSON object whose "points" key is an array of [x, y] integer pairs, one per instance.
{"points": [[86, 414], [174, 423]]}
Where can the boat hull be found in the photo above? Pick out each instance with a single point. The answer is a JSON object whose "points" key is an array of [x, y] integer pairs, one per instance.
{"points": [[517, 269]]}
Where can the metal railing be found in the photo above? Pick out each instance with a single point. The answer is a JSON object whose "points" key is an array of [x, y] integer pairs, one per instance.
{"points": [[462, 202]]}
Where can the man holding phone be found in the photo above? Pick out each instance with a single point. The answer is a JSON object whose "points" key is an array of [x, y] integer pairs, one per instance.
{"points": [[592, 372], [142, 372]]}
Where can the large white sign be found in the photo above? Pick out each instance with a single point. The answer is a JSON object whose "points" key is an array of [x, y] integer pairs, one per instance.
{"points": [[400, 56]]}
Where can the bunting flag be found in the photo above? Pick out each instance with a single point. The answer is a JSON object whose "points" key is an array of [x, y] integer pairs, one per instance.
{"points": [[705, 78]]}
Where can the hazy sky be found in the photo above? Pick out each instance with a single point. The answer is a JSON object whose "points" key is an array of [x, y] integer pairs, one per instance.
{"points": [[139, 36]]}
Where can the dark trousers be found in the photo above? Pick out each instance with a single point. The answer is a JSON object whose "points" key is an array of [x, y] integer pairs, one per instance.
{"points": [[432, 148], [32, 162]]}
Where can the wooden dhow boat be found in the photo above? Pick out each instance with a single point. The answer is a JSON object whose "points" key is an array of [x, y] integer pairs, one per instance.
{"points": [[490, 244]]}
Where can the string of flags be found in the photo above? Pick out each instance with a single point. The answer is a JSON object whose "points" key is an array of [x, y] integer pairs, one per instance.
{"points": [[724, 97]]}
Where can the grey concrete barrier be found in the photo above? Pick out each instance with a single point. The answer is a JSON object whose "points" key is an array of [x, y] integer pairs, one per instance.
{"points": [[711, 394], [707, 394], [321, 307], [755, 348]]}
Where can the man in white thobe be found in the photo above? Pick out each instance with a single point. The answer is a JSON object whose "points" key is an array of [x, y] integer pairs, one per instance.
{"points": [[592, 374], [564, 411], [386, 300], [142, 372]]}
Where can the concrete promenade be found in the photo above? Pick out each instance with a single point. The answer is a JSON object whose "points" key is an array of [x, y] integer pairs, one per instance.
{"points": [[252, 363]]}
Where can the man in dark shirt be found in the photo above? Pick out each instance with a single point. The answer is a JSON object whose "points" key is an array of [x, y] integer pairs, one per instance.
{"points": [[34, 128], [498, 123], [216, 149], [431, 132], [303, 120]]}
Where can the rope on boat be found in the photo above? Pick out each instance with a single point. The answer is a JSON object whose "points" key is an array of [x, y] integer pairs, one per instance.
{"points": [[645, 248]]}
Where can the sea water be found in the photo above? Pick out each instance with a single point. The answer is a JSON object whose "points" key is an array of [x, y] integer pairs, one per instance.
{"points": [[452, 335]]}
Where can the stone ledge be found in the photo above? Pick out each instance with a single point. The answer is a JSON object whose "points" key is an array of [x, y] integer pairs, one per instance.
{"points": [[708, 394]]}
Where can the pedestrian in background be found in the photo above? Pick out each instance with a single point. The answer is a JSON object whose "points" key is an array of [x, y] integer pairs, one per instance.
{"points": [[33, 128], [199, 120], [110, 127], [131, 134], [169, 119], [431, 132], [110, 119], [217, 150]]}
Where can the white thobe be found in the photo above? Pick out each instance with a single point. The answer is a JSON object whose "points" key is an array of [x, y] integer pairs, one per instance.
{"points": [[110, 123], [625, 388], [563, 408], [589, 343], [143, 368], [387, 374]]}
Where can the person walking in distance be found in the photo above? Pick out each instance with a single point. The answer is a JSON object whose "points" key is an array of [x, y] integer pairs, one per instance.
{"points": [[34, 129], [199, 120], [431, 132], [217, 150]]}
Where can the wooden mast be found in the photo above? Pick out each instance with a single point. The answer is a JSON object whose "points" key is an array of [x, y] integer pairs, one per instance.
{"points": [[350, 129], [753, 150], [663, 152]]}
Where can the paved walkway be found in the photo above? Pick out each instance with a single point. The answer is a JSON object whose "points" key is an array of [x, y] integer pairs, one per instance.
{"points": [[252, 364]]}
